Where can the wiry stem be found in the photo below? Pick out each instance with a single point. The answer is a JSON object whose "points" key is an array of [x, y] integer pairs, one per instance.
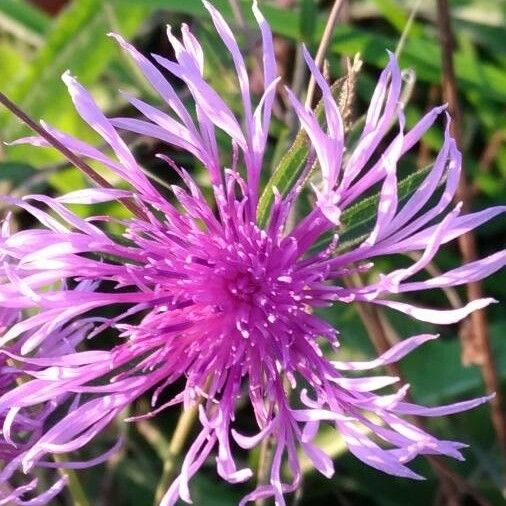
{"points": [[183, 428], [451, 293], [322, 48], [71, 157], [241, 23], [489, 155], [475, 344], [407, 28], [491, 150]]}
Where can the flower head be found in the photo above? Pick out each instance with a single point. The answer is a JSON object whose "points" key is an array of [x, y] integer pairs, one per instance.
{"points": [[209, 294]]}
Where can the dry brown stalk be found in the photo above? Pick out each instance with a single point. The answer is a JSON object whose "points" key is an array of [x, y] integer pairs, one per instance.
{"points": [[322, 48], [488, 156], [67, 153], [475, 342]]}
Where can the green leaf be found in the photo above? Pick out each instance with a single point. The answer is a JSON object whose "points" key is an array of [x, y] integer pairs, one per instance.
{"points": [[487, 35], [421, 52], [67, 180], [308, 18], [15, 173], [284, 177], [13, 63], [393, 13], [209, 491], [77, 41], [283, 21], [22, 20], [448, 378], [136, 480], [358, 220]]}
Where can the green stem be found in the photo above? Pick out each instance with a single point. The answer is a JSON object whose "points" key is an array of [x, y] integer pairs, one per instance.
{"points": [[176, 445], [73, 484], [264, 465], [407, 28]]}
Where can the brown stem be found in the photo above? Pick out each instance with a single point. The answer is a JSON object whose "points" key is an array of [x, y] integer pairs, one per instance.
{"points": [[488, 156], [476, 347], [347, 94], [71, 157], [451, 293], [460, 483], [322, 48]]}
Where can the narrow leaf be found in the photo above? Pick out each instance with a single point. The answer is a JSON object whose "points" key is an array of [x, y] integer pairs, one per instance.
{"points": [[358, 220], [23, 20]]}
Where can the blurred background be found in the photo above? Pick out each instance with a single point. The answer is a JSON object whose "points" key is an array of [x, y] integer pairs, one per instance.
{"points": [[40, 39]]}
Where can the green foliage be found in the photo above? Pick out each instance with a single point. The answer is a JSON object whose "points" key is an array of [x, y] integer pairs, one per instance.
{"points": [[286, 174], [359, 219], [13, 174], [76, 40], [307, 24], [22, 19]]}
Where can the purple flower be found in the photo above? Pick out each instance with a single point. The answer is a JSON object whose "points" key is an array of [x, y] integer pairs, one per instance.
{"points": [[22, 427], [207, 295]]}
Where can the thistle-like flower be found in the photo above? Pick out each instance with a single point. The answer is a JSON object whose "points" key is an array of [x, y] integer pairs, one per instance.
{"points": [[215, 298]]}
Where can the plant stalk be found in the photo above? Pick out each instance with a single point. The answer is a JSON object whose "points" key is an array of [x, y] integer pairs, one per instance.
{"points": [[183, 428], [322, 48], [74, 486], [475, 342], [73, 158]]}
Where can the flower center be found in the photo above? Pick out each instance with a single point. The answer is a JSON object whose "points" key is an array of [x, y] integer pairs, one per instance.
{"points": [[245, 278], [244, 286]]}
